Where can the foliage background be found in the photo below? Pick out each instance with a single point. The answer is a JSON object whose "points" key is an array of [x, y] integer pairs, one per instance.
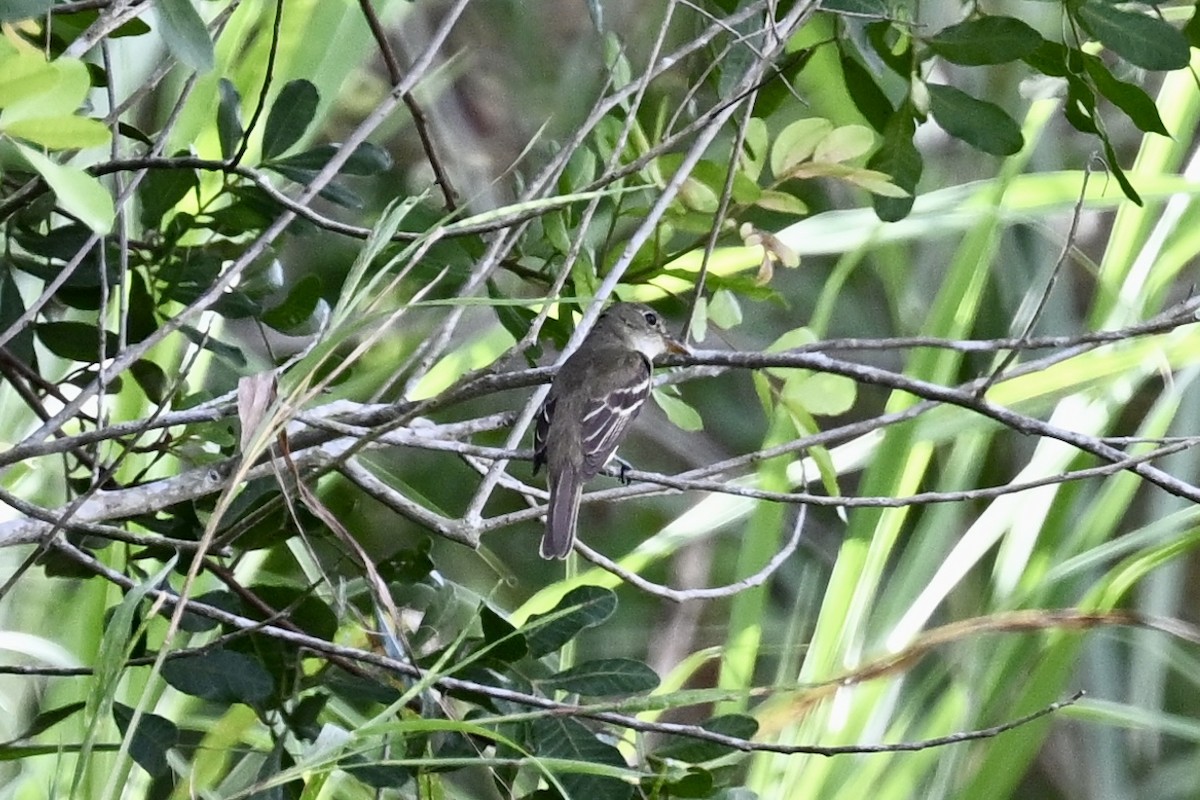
{"points": [[955, 569]]}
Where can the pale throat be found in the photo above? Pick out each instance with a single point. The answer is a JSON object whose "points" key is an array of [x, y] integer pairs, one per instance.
{"points": [[648, 343]]}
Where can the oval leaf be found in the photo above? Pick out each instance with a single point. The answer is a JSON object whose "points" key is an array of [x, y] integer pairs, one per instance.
{"points": [[985, 40], [1140, 39], [77, 192], [681, 415], [583, 607], [1128, 97], [605, 677], [60, 132], [290, 117], [229, 117], [980, 124], [844, 143], [152, 738], [796, 143], [185, 34], [221, 676], [696, 750]]}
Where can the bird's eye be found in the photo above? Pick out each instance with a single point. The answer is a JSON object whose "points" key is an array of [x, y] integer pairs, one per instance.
{"points": [[651, 318]]}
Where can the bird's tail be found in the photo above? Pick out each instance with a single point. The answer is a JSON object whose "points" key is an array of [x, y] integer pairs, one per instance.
{"points": [[561, 514]]}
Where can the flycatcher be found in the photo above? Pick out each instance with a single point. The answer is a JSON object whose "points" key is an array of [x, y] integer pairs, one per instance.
{"points": [[593, 399]]}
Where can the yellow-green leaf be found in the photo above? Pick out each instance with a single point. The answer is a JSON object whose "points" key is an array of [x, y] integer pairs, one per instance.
{"points": [[59, 133], [796, 143], [54, 98], [680, 413], [77, 192], [784, 203], [845, 143], [724, 310]]}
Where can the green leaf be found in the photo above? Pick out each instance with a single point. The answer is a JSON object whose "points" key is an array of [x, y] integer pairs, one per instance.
{"points": [[332, 192], [582, 607], [724, 310], [298, 307], [898, 158], [78, 193], [696, 750], [185, 35], [59, 132], [75, 341], [820, 393], [1191, 31], [152, 739], [1140, 39], [796, 143], [983, 125], [235, 356], [844, 143], [985, 40], [782, 202], [868, 98], [507, 644], [567, 739], [894, 46], [162, 190], [367, 159], [221, 676], [229, 117], [151, 378], [681, 415], [25, 75], [1054, 59], [45, 720], [1114, 165], [605, 677], [290, 116], [1128, 97]]}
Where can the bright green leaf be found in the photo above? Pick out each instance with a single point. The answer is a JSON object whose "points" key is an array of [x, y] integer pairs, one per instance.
{"points": [[875, 182], [681, 414], [59, 133], [844, 143], [26, 74], [796, 143], [77, 192], [725, 311], [784, 203], [821, 393]]}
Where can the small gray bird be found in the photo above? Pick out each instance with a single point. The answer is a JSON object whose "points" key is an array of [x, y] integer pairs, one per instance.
{"points": [[595, 396]]}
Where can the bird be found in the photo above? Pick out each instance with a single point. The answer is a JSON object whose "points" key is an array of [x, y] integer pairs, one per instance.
{"points": [[593, 399]]}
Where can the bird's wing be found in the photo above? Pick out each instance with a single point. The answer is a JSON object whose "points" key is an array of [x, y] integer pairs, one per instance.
{"points": [[541, 430], [607, 417]]}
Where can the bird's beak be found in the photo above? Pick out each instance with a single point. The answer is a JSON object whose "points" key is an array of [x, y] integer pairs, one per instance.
{"points": [[675, 346]]}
